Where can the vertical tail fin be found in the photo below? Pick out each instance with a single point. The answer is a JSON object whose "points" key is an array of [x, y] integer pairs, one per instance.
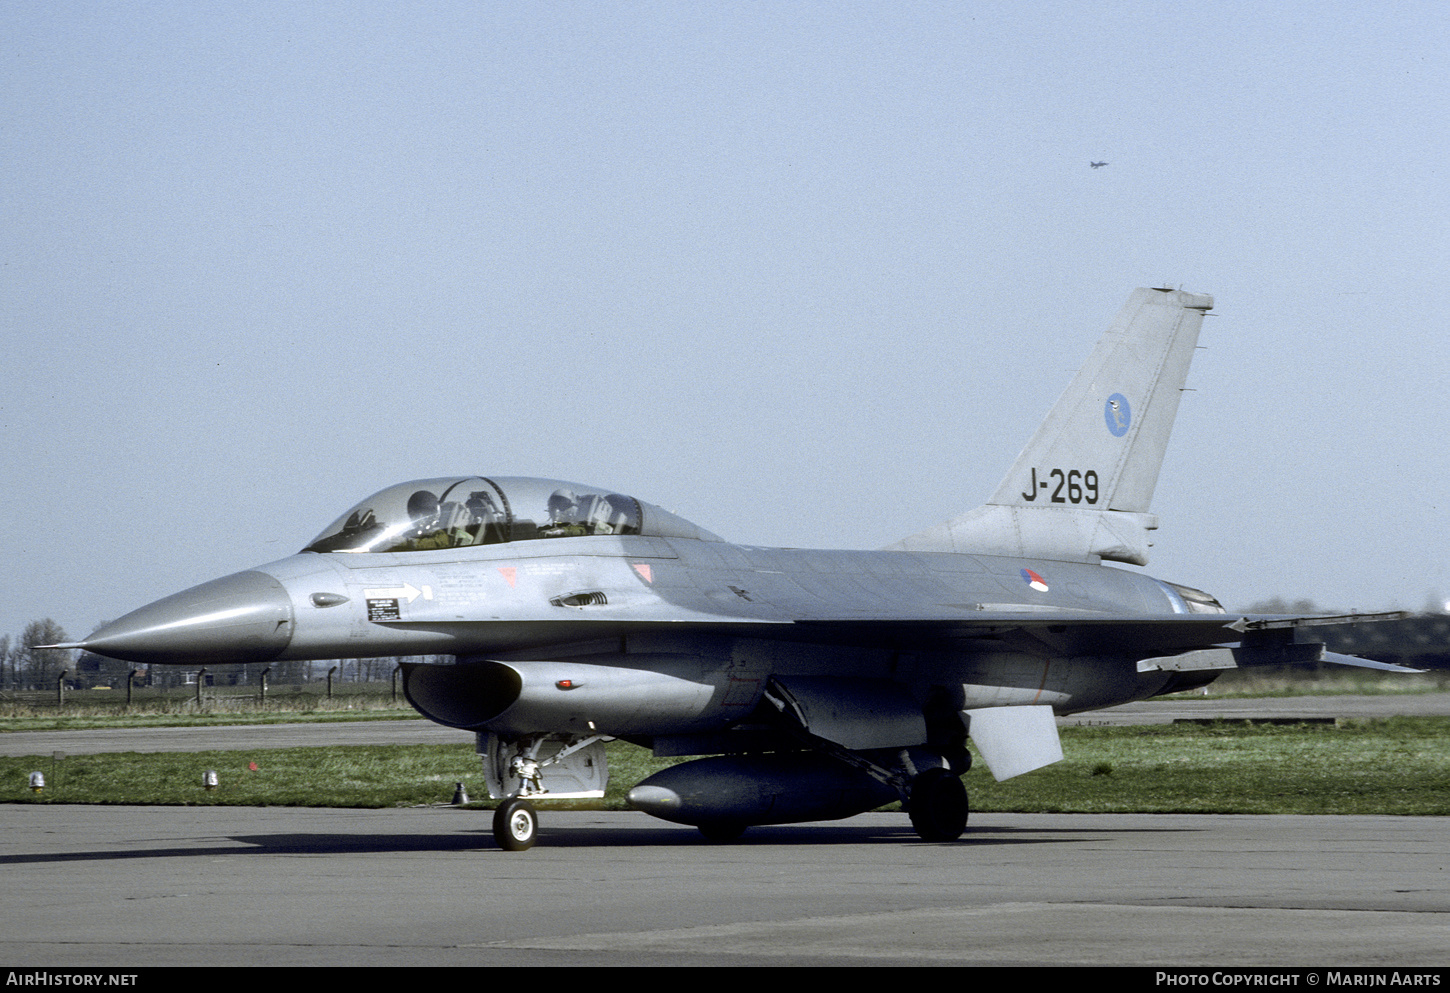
{"points": [[1082, 487]]}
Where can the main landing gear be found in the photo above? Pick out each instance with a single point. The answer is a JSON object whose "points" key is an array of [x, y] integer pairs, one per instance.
{"points": [[936, 802], [515, 825], [937, 805]]}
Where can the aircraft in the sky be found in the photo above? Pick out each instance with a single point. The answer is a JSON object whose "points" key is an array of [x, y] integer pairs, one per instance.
{"points": [[819, 684], [1097, 165]]}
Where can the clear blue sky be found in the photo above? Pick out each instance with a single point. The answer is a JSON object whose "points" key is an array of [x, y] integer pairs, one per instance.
{"points": [[805, 273]]}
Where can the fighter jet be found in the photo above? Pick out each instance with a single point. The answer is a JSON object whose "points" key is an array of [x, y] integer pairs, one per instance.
{"points": [[812, 684], [1097, 165]]}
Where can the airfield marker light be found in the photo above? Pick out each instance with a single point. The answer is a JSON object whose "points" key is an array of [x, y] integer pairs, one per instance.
{"points": [[37, 782], [460, 795], [208, 779]]}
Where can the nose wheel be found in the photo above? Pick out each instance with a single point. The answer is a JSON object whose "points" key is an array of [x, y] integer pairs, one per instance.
{"points": [[515, 825]]}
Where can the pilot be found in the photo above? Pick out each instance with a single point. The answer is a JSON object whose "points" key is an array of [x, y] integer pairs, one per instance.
{"points": [[565, 519], [428, 531]]}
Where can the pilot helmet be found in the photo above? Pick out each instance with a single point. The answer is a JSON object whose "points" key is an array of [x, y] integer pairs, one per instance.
{"points": [[423, 508]]}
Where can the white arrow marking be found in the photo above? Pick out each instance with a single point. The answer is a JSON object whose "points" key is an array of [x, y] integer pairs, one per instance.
{"points": [[407, 592]]}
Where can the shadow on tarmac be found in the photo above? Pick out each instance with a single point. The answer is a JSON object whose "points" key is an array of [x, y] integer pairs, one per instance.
{"points": [[480, 840]]}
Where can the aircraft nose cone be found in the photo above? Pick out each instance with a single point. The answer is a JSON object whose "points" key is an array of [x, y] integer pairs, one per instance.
{"points": [[244, 617]]}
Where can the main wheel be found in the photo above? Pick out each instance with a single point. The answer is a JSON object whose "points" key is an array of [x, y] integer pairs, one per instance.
{"points": [[515, 825], [938, 806]]}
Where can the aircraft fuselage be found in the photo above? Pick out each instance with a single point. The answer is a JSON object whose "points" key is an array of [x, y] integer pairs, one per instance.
{"points": [[742, 613]]}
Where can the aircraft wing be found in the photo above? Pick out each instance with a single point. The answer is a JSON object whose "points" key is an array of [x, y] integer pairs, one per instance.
{"points": [[1230, 640], [1066, 632], [1190, 642], [1092, 633]]}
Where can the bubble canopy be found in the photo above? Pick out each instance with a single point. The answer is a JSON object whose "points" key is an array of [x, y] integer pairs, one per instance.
{"points": [[458, 512]]}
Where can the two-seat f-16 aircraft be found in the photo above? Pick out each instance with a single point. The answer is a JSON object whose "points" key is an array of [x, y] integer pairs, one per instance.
{"points": [[820, 684]]}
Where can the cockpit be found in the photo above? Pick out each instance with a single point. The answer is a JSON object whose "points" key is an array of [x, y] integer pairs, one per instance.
{"points": [[454, 512]]}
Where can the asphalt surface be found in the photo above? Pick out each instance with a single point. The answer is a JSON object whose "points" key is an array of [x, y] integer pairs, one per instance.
{"points": [[131, 886], [145, 886]]}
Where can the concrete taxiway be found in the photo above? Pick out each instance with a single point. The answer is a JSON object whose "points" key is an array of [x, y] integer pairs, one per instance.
{"points": [[131, 886]]}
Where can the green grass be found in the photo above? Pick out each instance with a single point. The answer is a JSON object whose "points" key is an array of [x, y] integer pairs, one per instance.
{"points": [[353, 776], [1328, 680], [1392, 766], [1397, 765], [330, 776]]}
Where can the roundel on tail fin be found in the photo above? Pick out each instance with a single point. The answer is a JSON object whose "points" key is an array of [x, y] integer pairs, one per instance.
{"points": [[1118, 414]]}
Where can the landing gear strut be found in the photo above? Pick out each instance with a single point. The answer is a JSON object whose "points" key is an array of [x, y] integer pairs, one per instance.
{"points": [[938, 805], [515, 825]]}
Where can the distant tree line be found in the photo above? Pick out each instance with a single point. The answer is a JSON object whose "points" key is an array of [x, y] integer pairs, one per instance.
{"points": [[23, 666], [26, 667]]}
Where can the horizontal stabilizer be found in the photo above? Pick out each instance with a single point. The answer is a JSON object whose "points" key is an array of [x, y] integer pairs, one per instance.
{"points": [[1319, 620], [1360, 663], [1252, 654]]}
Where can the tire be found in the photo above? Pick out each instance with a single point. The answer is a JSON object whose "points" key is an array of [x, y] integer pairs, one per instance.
{"points": [[938, 806], [515, 825]]}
